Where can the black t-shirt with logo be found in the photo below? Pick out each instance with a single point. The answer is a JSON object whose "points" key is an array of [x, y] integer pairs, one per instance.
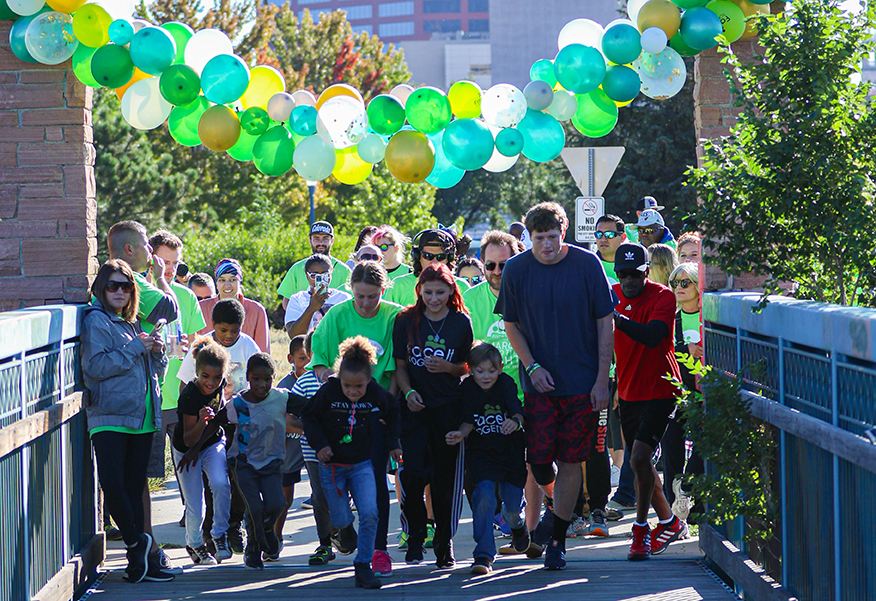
{"points": [[190, 402], [449, 339], [489, 454]]}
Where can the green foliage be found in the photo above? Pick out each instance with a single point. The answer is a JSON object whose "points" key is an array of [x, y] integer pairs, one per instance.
{"points": [[789, 194], [738, 448]]}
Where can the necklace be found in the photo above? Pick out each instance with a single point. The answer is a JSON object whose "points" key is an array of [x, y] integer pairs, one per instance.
{"points": [[441, 327]]}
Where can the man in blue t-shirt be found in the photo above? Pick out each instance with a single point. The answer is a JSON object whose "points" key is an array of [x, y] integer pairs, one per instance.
{"points": [[551, 296]]}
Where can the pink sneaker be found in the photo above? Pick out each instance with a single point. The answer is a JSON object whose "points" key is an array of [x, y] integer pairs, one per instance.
{"points": [[381, 564]]}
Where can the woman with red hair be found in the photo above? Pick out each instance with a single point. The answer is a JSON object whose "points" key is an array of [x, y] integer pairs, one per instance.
{"points": [[431, 342]]}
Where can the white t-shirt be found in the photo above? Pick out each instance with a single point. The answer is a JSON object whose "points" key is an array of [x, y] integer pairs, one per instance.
{"points": [[244, 348], [299, 301]]}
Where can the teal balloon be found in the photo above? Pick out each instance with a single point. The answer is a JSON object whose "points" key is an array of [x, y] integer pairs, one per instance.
{"points": [[509, 142], [621, 43], [152, 50], [760, 1], [444, 174], [699, 28], [596, 115], [621, 83], [111, 66], [303, 120], [179, 84], [255, 121], [686, 4], [543, 70], [579, 68], [428, 110], [224, 78], [315, 158], [468, 143], [242, 149], [543, 136], [386, 114], [121, 32], [679, 46], [372, 149], [16, 39], [273, 151]]}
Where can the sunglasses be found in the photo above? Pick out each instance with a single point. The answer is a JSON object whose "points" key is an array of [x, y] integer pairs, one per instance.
{"points": [[384, 247], [126, 287], [491, 265], [650, 231], [683, 284], [608, 235], [200, 298], [369, 257], [475, 280], [431, 257], [625, 274]]}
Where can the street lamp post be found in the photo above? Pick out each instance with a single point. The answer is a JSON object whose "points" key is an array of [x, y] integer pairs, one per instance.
{"points": [[311, 190]]}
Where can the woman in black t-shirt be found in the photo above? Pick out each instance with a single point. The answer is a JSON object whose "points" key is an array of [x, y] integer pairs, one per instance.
{"points": [[431, 342]]}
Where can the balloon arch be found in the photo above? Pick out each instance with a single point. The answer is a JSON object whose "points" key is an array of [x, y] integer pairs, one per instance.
{"points": [[207, 95]]}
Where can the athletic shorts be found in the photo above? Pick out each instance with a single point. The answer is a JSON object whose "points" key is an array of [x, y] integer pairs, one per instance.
{"points": [[292, 478], [169, 419], [559, 428], [646, 420]]}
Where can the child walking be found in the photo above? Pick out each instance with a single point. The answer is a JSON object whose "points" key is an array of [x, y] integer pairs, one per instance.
{"points": [[493, 423], [199, 446], [338, 425]]}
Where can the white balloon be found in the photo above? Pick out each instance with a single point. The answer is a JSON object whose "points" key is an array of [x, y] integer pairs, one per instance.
{"points": [[633, 8], [143, 106], [663, 75], [118, 9], [26, 8], [564, 106], [139, 24], [314, 158], [503, 105], [342, 121], [654, 40], [581, 31], [499, 162], [402, 91], [304, 98], [46, 42], [539, 95], [618, 22], [280, 106], [205, 45]]}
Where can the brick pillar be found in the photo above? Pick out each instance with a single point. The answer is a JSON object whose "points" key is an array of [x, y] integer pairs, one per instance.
{"points": [[48, 210]]}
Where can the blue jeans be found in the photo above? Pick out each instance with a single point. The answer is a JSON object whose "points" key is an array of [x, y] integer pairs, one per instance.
{"points": [[358, 480], [483, 507], [626, 491], [211, 461]]}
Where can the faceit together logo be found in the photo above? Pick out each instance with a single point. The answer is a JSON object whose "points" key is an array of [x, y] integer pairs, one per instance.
{"points": [[435, 347], [629, 256]]}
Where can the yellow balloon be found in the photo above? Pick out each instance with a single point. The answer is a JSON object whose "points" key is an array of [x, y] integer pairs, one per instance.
{"points": [[660, 13], [465, 99], [339, 89], [264, 82], [66, 6], [219, 128], [91, 25], [138, 76], [349, 168], [410, 156], [621, 104], [749, 10]]}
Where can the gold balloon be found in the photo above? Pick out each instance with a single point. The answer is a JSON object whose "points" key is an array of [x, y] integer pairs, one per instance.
{"points": [[338, 89], [750, 10], [66, 6], [660, 13], [138, 76], [410, 156], [219, 128], [350, 169]]}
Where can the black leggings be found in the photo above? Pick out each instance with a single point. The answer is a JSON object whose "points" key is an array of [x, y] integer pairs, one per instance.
{"points": [[122, 460], [379, 460]]}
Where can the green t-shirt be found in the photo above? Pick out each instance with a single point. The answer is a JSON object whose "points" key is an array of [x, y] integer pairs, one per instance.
{"points": [[191, 321], [609, 272], [296, 280], [404, 289], [489, 327], [150, 296], [342, 322], [691, 327], [399, 271], [148, 421]]}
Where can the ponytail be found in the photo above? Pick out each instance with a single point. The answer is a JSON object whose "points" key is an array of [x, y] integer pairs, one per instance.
{"points": [[356, 355], [207, 352]]}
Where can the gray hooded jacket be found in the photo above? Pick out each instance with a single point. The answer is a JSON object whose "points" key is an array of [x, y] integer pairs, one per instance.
{"points": [[117, 370]]}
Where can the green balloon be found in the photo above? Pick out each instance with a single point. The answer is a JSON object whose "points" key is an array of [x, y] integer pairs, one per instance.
{"points": [[621, 83], [273, 151], [152, 50], [621, 43], [686, 4], [468, 144], [509, 142], [543, 136], [6, 13], [543, 70], [121, 32], [179, 84], [82, 65], [386, 114], [255, 121], [596, 115], [242, 150], [303, 120], [679, 46], [181, 33], [111, 66], [579, 68], [183, 121], [428, 110], [224, 78]]}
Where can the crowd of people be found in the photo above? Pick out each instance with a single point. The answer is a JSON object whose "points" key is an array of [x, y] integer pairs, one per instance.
{"points": [[454, 373]]}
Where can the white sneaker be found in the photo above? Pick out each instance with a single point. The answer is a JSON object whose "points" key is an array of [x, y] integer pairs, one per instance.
{"points": [[579, 527], [681, 505], [615, 476]]}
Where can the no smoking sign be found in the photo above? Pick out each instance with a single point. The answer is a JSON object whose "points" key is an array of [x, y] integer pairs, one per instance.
{"points": [[587, 211]]}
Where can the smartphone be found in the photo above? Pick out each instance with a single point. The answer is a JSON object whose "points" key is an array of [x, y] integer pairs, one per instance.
{"points": [[159, 326], [321, 280]]}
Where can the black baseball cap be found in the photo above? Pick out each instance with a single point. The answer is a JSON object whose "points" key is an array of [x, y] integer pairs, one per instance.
{"points": [[630, 256], [322, 227]]}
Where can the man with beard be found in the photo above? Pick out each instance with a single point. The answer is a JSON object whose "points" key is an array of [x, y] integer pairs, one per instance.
{"points": [[322, 236]]}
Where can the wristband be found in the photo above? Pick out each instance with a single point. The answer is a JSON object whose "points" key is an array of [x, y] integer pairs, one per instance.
{"points": [[409, 393], [532, 367], [519, 423]]}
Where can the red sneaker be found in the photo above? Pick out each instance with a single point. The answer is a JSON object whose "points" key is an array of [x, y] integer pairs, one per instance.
{"points": [[666, 533], [640, 549]]}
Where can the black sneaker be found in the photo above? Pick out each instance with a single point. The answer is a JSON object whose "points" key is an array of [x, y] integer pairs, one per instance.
{"points": [[156, 574], [182, 520], [211, 546], [200, 556], [112, 533], [252, 557], [164, 562], [481, 566], [221, 550], [444, 555], [272, 544], [554, 558], [365, 578], [138, 558], [345, 540], [535, 550], [235, 539], [414, 554], [321, 556], [520, 539]]}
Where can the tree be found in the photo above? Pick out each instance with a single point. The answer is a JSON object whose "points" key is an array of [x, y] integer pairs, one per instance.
{"points": [[789, 194]]}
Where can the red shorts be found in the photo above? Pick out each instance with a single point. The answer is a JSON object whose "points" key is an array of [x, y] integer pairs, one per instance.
{"points": [[559, 428]]}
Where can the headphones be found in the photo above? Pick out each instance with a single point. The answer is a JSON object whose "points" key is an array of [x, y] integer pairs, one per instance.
{"points": [[415, 246]]}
